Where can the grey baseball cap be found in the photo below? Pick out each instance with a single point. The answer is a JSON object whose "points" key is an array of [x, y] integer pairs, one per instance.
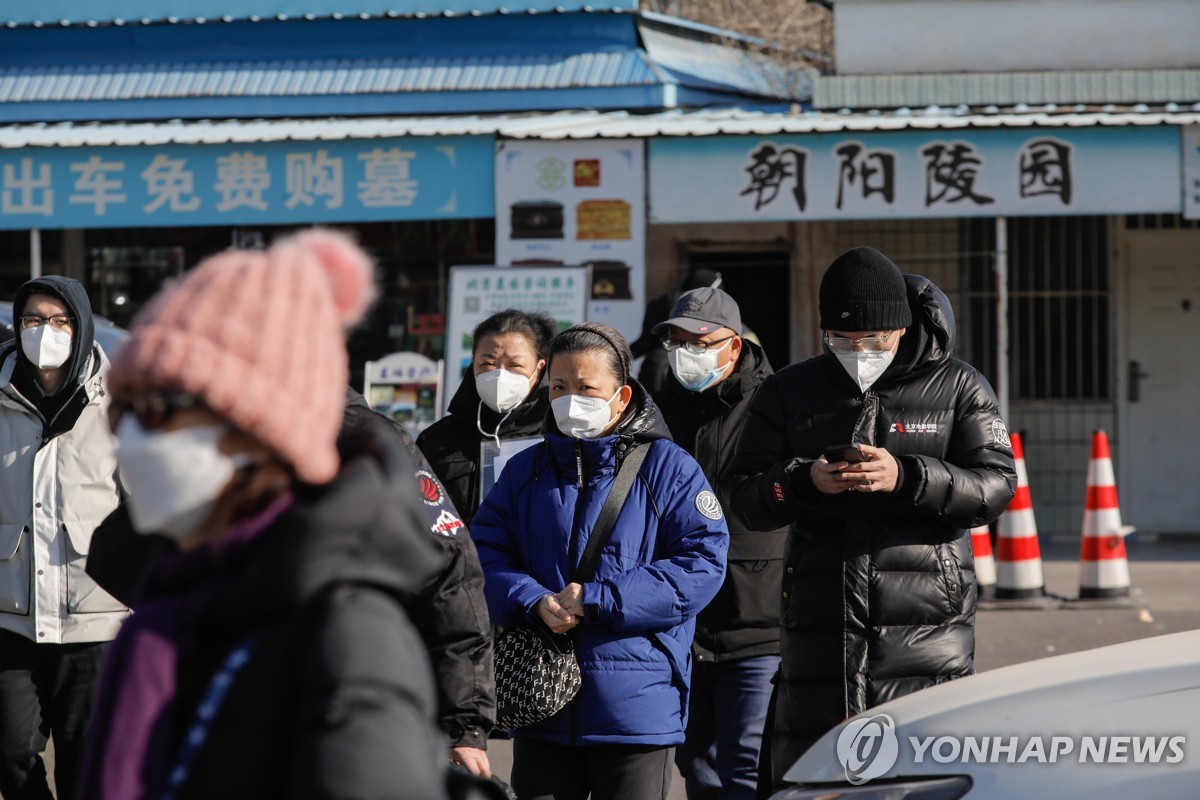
{"points": [[703, 310]]}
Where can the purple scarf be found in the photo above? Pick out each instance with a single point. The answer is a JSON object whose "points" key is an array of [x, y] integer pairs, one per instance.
{"points": [[131, 739]]}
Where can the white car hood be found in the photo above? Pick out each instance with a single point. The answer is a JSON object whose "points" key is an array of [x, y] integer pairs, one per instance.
{"points": [[1145, 688]]}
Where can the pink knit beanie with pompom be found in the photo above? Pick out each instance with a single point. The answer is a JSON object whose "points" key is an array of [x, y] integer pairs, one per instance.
{"points": [[260, 337]]}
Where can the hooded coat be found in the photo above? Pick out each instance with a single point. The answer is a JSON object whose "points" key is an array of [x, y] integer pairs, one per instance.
{"points": [[59, 483], [451, 445], [663, 562], [879, 588], [337, 697]]}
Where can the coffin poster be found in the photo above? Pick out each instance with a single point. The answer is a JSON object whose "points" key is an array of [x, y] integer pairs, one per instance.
{"points": [[561, 203]]}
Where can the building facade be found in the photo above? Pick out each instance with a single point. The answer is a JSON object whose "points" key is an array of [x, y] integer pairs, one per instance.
{"points": [[1050, 185]]}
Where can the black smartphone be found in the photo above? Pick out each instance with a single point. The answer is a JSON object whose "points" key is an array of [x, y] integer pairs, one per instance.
{"points": [[844, 452]]}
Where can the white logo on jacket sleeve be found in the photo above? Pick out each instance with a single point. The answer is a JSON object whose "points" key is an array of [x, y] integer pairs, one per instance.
{"points": [[1000, 433], [708, 505], [446, 524]]}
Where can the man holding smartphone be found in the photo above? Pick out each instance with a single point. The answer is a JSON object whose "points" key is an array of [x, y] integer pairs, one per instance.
{"points": [[880, 454]]}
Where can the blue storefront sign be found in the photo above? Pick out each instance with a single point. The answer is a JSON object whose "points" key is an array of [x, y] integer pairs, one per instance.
{"points": [[915, 174], [245, 184]]}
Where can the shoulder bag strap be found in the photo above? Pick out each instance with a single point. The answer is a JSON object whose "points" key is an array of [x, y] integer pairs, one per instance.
{"points": [[622, 483]]}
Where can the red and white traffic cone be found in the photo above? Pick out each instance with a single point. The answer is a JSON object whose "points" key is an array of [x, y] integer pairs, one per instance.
{"points": [[1018, 556], [1104, 568], [985, 562]]}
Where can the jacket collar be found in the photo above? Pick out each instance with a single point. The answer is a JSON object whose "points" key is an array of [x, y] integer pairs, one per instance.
{"points": [[361, 528], [525, 417], [96, 370], [642, 423], [751, 370]]}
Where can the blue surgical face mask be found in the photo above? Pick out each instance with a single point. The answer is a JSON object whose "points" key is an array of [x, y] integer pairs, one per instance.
{"points": [[697, 372]]}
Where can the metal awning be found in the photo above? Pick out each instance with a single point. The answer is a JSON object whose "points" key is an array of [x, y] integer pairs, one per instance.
{"points": [[571, 125], [319, 77], [377, 67], [146, 12]]}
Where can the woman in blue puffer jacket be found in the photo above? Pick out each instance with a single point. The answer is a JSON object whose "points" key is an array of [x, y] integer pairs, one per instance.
{"points": [[633, 623]]}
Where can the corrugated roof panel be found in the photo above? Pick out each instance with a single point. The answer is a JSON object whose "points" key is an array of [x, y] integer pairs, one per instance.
{"points": [[74, 12], [300, 78]]}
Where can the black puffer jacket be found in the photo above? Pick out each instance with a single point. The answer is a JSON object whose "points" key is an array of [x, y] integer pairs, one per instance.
{"points": [[449, 609], [337, 697], [451, 445], [879, 592], [743, 619]]}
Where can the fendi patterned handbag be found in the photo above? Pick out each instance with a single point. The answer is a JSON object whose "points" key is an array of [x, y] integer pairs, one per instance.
{"points": [[536, 675]]}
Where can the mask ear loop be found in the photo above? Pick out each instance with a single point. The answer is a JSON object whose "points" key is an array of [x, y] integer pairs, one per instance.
{"points": [[479, 423]]}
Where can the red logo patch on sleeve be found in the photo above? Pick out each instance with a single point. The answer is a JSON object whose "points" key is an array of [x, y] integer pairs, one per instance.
{"points": [[431, 491], [777, 491]]}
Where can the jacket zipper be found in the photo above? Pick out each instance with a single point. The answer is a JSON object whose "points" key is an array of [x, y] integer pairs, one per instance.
{"points": [[579, 466], [575, 534]]}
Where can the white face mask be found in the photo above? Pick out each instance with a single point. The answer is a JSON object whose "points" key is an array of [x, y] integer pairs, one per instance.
{"points": [[865, 367], [46, 347], [697, 372], [173, 477], [501, 390], [581, 416]]}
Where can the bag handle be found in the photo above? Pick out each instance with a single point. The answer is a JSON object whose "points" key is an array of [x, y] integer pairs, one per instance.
{"points": [[623, 481]]}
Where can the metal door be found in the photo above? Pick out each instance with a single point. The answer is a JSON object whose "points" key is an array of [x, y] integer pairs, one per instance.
{"points": [[1159, 461]]}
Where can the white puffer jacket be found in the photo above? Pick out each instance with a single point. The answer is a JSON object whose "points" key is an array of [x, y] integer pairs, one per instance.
{"points": [[53, 494]]}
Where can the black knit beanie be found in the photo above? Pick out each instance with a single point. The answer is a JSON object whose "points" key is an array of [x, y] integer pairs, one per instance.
{"points": [[864, 291]]}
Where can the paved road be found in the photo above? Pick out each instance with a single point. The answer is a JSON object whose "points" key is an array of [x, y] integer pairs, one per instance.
{"points": [[1166, 599]]}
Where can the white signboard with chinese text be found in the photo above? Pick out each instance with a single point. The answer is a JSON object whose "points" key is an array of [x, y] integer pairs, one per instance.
{"points": [[915, 174], [1191, 171], [404, 386], [478, 292], [247, 183], [578, 202]]}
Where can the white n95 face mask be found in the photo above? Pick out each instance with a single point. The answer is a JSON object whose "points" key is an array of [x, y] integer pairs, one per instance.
{"points": [[582, 417], [865, 367], [173, 477], [501, 390], [46, 347], [697, 372]]}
